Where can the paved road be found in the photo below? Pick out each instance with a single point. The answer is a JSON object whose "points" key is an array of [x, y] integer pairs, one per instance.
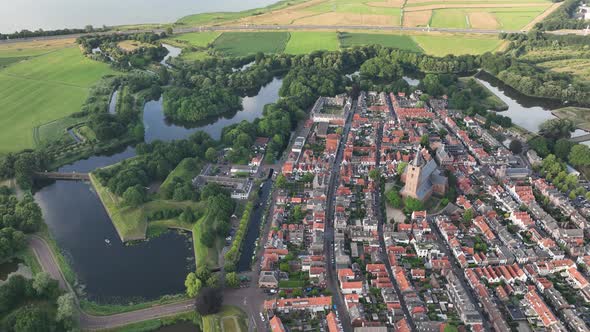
{"points": [[49, 264], [332, 279]]}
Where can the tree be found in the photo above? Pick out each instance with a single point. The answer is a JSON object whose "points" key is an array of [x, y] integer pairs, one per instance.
{"points": [[203, 272], [134, 196], [468, 215], [425, 141], [401, 167], [209, 301], [211, 154], [44, 285], [374, 174], [67, 313], [579, 155], [515, 146], [33, 318], [557, 128], [413, 204], [169, 31], [562, 148], [213, 281], [394, 198], [281, 181], [232, 280], [192, 284]]}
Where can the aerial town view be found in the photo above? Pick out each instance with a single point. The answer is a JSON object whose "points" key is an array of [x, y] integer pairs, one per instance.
{"points": [[295, 165]]}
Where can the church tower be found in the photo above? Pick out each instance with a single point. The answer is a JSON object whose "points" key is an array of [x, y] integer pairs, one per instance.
{"points": [[413, 172]]}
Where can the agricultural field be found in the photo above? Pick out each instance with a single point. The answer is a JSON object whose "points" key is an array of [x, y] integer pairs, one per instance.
{"points": [[42, 89], [577, 67], [302, 42], [485, 14], [194, 39], [245, 43], [441, 45], [389, 40]]}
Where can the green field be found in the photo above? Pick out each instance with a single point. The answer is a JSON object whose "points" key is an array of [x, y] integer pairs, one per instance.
{"points": [[42, 89], [245, 43], [457, 45], [354, 7], [516, 18], [448, 18], [54, 130], [397, 41], [197, 39], [307, 42]]}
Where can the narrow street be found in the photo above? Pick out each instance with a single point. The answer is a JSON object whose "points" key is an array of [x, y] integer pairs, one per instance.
{"points": [[382, 220]]}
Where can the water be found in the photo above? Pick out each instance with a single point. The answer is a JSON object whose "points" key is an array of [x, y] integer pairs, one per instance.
{"points": [[58, 14], [157, 128], [254, 228], [526, 112], [411, 81], [173, 52], [79, 223]]}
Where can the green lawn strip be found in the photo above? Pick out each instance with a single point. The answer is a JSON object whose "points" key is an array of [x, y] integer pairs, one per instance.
{"points": [[515, 20], [303, 42], [354, 7], [218, 17], [291, 283], [202, 252], [195, 56], [245, 43], [457, 45], [155, 324], [388, 40], [98, 309], [4, 62]]}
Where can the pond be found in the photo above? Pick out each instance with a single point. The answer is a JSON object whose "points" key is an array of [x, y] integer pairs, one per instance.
{"points": [[157, 127], [109, 271]]}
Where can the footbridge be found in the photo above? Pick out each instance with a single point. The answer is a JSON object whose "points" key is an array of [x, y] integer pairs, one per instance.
{"points": [[62, 176]]}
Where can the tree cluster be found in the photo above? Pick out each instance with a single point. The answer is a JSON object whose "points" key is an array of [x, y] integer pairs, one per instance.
{"points": [[16, 219]]}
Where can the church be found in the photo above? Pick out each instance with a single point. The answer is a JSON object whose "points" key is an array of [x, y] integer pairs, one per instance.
{"points": [[422, 178]]}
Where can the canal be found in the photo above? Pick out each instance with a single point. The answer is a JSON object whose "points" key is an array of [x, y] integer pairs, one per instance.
{"points": [[112, 271]]}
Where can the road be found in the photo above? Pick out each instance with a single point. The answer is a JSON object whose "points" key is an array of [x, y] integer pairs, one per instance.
{"points": [[280, 27], [337, 298]]}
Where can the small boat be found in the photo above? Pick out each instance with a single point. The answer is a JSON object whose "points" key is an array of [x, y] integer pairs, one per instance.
{"points": [[107, 241]]}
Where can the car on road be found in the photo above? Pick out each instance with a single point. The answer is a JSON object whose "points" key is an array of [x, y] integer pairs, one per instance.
{"points": [[262, 317]]}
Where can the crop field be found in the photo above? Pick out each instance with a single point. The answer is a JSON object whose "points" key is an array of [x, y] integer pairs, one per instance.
{"points": [[33, 48], [475, 14], [196, 39], [577, 67], [43, 89], [245, 43], [441, 45], [398, 41], [305, 42]]}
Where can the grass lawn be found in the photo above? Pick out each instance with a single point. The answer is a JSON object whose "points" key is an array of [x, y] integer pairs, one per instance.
{"points": [[156, 324], [516, 18], [203, 253], [194, 56], [441, 45], [187, 169], [576, 67], [397, 41], [303, 42], [229, 319], [42, 89], [245, 43], [97, 309], [580, 116], [198, 39]]}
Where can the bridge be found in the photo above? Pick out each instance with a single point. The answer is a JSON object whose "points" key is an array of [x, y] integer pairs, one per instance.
{"points": [[581, 138], [62, 176]]}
